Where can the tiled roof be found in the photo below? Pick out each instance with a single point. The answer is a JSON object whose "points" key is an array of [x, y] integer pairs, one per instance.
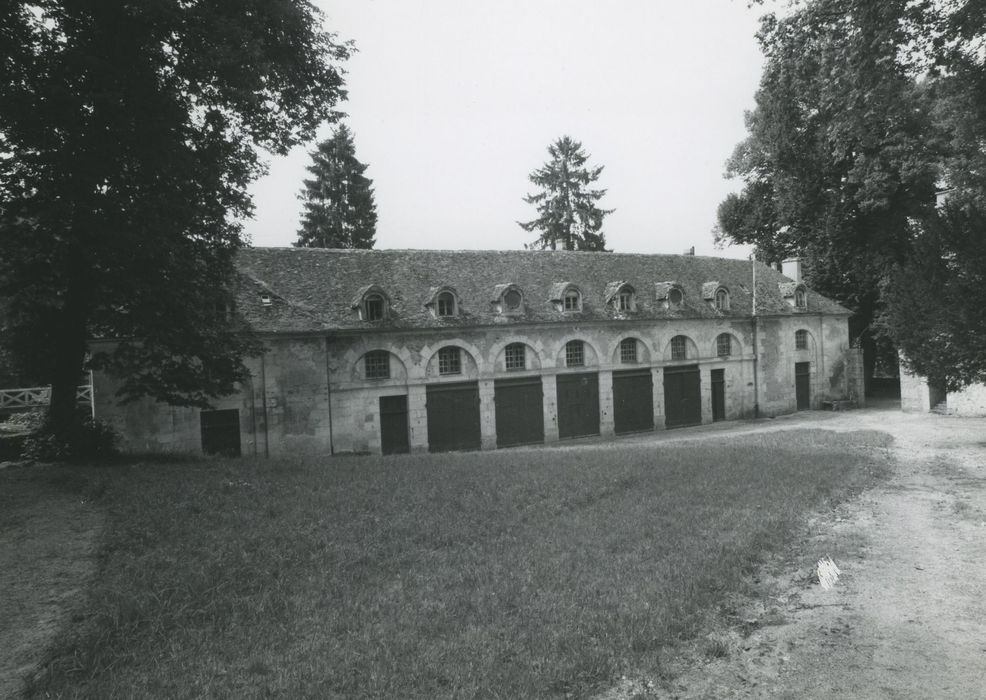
{"points": [[315, 289], [709, 289]]}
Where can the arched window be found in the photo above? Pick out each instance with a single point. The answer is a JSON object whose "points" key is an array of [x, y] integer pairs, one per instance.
{"points": [[450, 360], [445, 304], [628, 351], [515, 357], [376, 364], [801, 340], [679, 348], [512, 300], [722, 300], [675, 296], [572, 300], [724, 345], [373, 307], [574, 353], [800, 298]]}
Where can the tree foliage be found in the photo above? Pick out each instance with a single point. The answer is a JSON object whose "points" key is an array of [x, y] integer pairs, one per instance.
{"points": [[339, 210], [864, 113], [128, 136], [566, 203]]}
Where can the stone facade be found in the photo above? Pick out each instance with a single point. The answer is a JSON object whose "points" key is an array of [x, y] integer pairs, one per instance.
{"points": [[918, 396], [310, 393]]}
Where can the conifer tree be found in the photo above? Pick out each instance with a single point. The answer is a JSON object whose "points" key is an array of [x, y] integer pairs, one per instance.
{"points": [[567, 213], [339, 208]]}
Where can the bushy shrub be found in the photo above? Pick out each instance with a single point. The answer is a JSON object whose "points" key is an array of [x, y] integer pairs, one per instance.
{"points": [[91, 438]]}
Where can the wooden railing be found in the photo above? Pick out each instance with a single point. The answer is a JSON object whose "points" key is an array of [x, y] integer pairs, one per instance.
{"points": [[34, 397]]}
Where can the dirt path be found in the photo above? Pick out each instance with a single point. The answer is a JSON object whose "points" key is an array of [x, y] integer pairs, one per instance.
{"points": [[907, 618], [47, 547]]}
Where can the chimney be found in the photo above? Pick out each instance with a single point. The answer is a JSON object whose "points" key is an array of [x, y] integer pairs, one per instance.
{"points": [[689, 251], [792, 268]]}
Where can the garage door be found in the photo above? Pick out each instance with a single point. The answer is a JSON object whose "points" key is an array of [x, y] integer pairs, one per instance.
{"points": [[578, 404], [682, 396], [633, 401], [453, 417], [221, 432], [393, 425], [519, 411]]}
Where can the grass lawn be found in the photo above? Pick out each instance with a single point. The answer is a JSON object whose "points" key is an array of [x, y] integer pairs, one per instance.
{"points": [[503, 574]]}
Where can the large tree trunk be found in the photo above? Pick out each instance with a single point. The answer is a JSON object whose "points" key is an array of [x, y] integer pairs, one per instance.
{"points": [[69, 356]]}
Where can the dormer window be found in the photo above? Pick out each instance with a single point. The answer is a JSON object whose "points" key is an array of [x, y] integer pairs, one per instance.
{"points": [[795, 294], [800, 298], [573, 300], [266, 300], [445, 304], [675, 296], [721, 301], [373, 307], [508, 299], [625, 301]]}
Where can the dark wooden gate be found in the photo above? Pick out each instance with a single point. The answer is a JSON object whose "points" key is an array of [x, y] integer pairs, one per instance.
{"points": [[682, 396], [802, 384], [221, 432], [453, 417], [578, 404], [718, 394], [633, 401], [519, 411], [393, 425]]}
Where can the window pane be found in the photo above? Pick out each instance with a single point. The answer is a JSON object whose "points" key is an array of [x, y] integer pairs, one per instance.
{"points": [[678, 348], [722, 300], [446, 304], [674, 296], [626, 301], [571, 301], [512, 299], [376, 364], [801, 340], [724, 345], [574, 354], [515, 356], [628, 350], [374, 308], [449, 361]]}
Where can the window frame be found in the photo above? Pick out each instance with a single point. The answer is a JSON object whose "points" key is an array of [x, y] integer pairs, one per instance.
{"points": [[374, 301], [628, 351], [505, 306], [510, 364], [449, 361], [676, 290], [575, 353], [379, 358], [446, 298], [724, 341], [800, 298], [723, 294], [679, 348], [801, 339], [571, 294]]}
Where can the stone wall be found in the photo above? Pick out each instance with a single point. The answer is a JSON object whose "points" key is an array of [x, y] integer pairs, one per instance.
{"points": [[309, 394]]}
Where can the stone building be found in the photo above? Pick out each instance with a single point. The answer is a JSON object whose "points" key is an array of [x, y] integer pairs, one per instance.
{"points": [[416, 350]]}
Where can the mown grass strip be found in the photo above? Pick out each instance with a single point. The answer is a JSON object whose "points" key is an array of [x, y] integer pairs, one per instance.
{"points": [[504, 574]]}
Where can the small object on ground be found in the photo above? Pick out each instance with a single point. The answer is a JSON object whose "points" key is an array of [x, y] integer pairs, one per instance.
{"points": [[828, 573]]}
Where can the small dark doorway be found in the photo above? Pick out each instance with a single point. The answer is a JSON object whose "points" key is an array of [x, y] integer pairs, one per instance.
{"points": [[393, 425], [578, 404], [519, 411], [718, 395], [453, 417], [682, 396], [221, 432], [802, 384], [633, 401]]}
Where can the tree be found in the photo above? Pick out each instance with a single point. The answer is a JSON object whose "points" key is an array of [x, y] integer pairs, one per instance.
{"points": [[841, 153], [339, 208], [567, 211], [128, 136], [936, 298]]}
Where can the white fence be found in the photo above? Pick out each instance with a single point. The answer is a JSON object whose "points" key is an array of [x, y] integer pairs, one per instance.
{"points": [[34, 397]]}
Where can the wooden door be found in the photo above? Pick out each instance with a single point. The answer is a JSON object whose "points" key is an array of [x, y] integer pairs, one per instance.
{"points": [[519, 411], [633, 401], [220, 432], [578, 404], [453, 417], [718, 394], [394, 425], [802, 385], [682, 396]]}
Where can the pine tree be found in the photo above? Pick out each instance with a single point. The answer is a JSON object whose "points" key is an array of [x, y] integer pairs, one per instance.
{"points": [[339, 208], [567, 211]]}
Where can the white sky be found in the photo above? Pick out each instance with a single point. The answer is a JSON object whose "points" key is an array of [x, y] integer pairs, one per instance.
{"points": [[454, 102]]}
